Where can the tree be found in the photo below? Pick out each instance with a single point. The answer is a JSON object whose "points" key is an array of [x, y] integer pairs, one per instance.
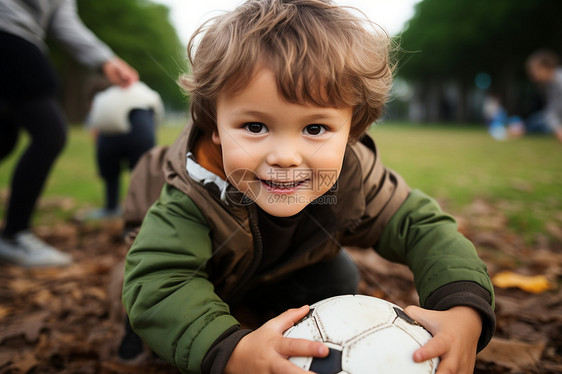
{"points": [[139, 32], [455, 40]]}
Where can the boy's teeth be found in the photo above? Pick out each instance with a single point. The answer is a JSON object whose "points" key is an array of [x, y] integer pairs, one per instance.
{"points": [[282, 184]]}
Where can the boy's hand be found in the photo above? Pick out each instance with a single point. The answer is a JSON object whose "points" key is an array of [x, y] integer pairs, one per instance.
{"points": [[455, 337], [266, 350]]}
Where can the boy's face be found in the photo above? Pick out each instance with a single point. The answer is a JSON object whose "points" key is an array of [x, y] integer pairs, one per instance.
{"points": [[281, 155], [539, 73]]}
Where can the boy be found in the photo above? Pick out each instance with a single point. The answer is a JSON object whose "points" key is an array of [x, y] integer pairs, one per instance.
{"points": [[543, 69], [275, 176]]}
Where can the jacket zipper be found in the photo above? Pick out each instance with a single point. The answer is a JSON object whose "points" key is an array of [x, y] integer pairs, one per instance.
{"points": [[258, 253], [329, 236]]}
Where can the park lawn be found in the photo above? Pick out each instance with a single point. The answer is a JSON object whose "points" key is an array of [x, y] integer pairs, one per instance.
{"points": [[462, 164], [456, 164], [74, 184]]}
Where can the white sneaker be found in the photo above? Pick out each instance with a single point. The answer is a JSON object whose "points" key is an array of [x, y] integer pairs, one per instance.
{"points": [[99, 214], [27, 250]]}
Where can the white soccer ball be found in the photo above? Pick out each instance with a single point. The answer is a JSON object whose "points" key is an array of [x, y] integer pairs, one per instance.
{"points": [[366, 335]]}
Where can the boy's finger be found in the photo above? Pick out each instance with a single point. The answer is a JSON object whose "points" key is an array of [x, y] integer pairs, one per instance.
{"points": [[290, 347], [287, 319], [451, 366], [422, 316], [435, 347], [286, 367], [414, 311]]}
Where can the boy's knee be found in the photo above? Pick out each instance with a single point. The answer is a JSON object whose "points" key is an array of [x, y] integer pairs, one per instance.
{"points": [[335, 277], [347, 278]]}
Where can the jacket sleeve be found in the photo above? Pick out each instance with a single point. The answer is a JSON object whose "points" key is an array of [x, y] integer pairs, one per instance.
{"points": [[447, 270], [170, 301], [421, 236], [67, 28]]}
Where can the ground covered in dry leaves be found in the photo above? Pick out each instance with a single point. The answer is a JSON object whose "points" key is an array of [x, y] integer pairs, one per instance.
{"points": [[70, 320]]}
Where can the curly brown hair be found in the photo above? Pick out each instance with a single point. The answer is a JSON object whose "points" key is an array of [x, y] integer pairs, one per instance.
{"points": [[321, 53]]}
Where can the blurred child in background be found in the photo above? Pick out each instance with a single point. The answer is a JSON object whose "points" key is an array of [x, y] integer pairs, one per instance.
{"points": [[543, 68], [124, 123]]}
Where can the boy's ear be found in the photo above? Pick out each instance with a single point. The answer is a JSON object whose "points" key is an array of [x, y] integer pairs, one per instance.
{"points": [[215, 138]]}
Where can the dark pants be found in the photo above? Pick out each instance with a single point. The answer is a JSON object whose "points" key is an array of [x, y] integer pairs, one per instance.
{"points": [[28, 102], [115, 150], [44, 122], [536, 124]]}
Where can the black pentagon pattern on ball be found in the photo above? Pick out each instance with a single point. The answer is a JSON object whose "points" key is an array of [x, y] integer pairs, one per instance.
{"points": [[308, 315], [401, 314], [360, 344], [330, 364]]}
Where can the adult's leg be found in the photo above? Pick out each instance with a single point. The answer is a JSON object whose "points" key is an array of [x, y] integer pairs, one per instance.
{"points": [[9, 131], [28, 87], [43, 119]]}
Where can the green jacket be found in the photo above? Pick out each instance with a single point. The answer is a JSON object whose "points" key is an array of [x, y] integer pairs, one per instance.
{"points": [[199, 246]]}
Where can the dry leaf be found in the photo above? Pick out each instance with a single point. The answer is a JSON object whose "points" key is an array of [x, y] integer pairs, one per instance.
{"points": [[84, 319], [533, 284], [6, 357], [4, 311], [25, 361], [30, 326], [554, 229], [512, 354], [22, 285]]}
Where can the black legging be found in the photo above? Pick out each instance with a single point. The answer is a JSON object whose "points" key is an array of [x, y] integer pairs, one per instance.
{"points": [[28, 87], [43, 120], [113, 150]]}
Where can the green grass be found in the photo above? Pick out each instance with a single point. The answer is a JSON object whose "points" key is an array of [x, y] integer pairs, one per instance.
{"points": [[74, 183], [459, 164], [455, 164]]}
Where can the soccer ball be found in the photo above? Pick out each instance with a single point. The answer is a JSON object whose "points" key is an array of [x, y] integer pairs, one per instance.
{"points": [[365, 335]]}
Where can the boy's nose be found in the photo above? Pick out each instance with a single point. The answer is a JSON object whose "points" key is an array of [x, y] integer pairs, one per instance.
{"points": [[284, 154]]}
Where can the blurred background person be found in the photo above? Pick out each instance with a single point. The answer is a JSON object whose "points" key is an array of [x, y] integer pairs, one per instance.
{"points": [[500, 124], [28, 87], [543, 68], [123, 121], [495, 116]]}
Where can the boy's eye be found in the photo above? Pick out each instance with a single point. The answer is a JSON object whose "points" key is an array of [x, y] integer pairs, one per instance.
{"points": [[255, 127], [314, 129]]}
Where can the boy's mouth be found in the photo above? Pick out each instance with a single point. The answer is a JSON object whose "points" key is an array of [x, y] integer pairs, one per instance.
{"points": [[283, 186]]}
